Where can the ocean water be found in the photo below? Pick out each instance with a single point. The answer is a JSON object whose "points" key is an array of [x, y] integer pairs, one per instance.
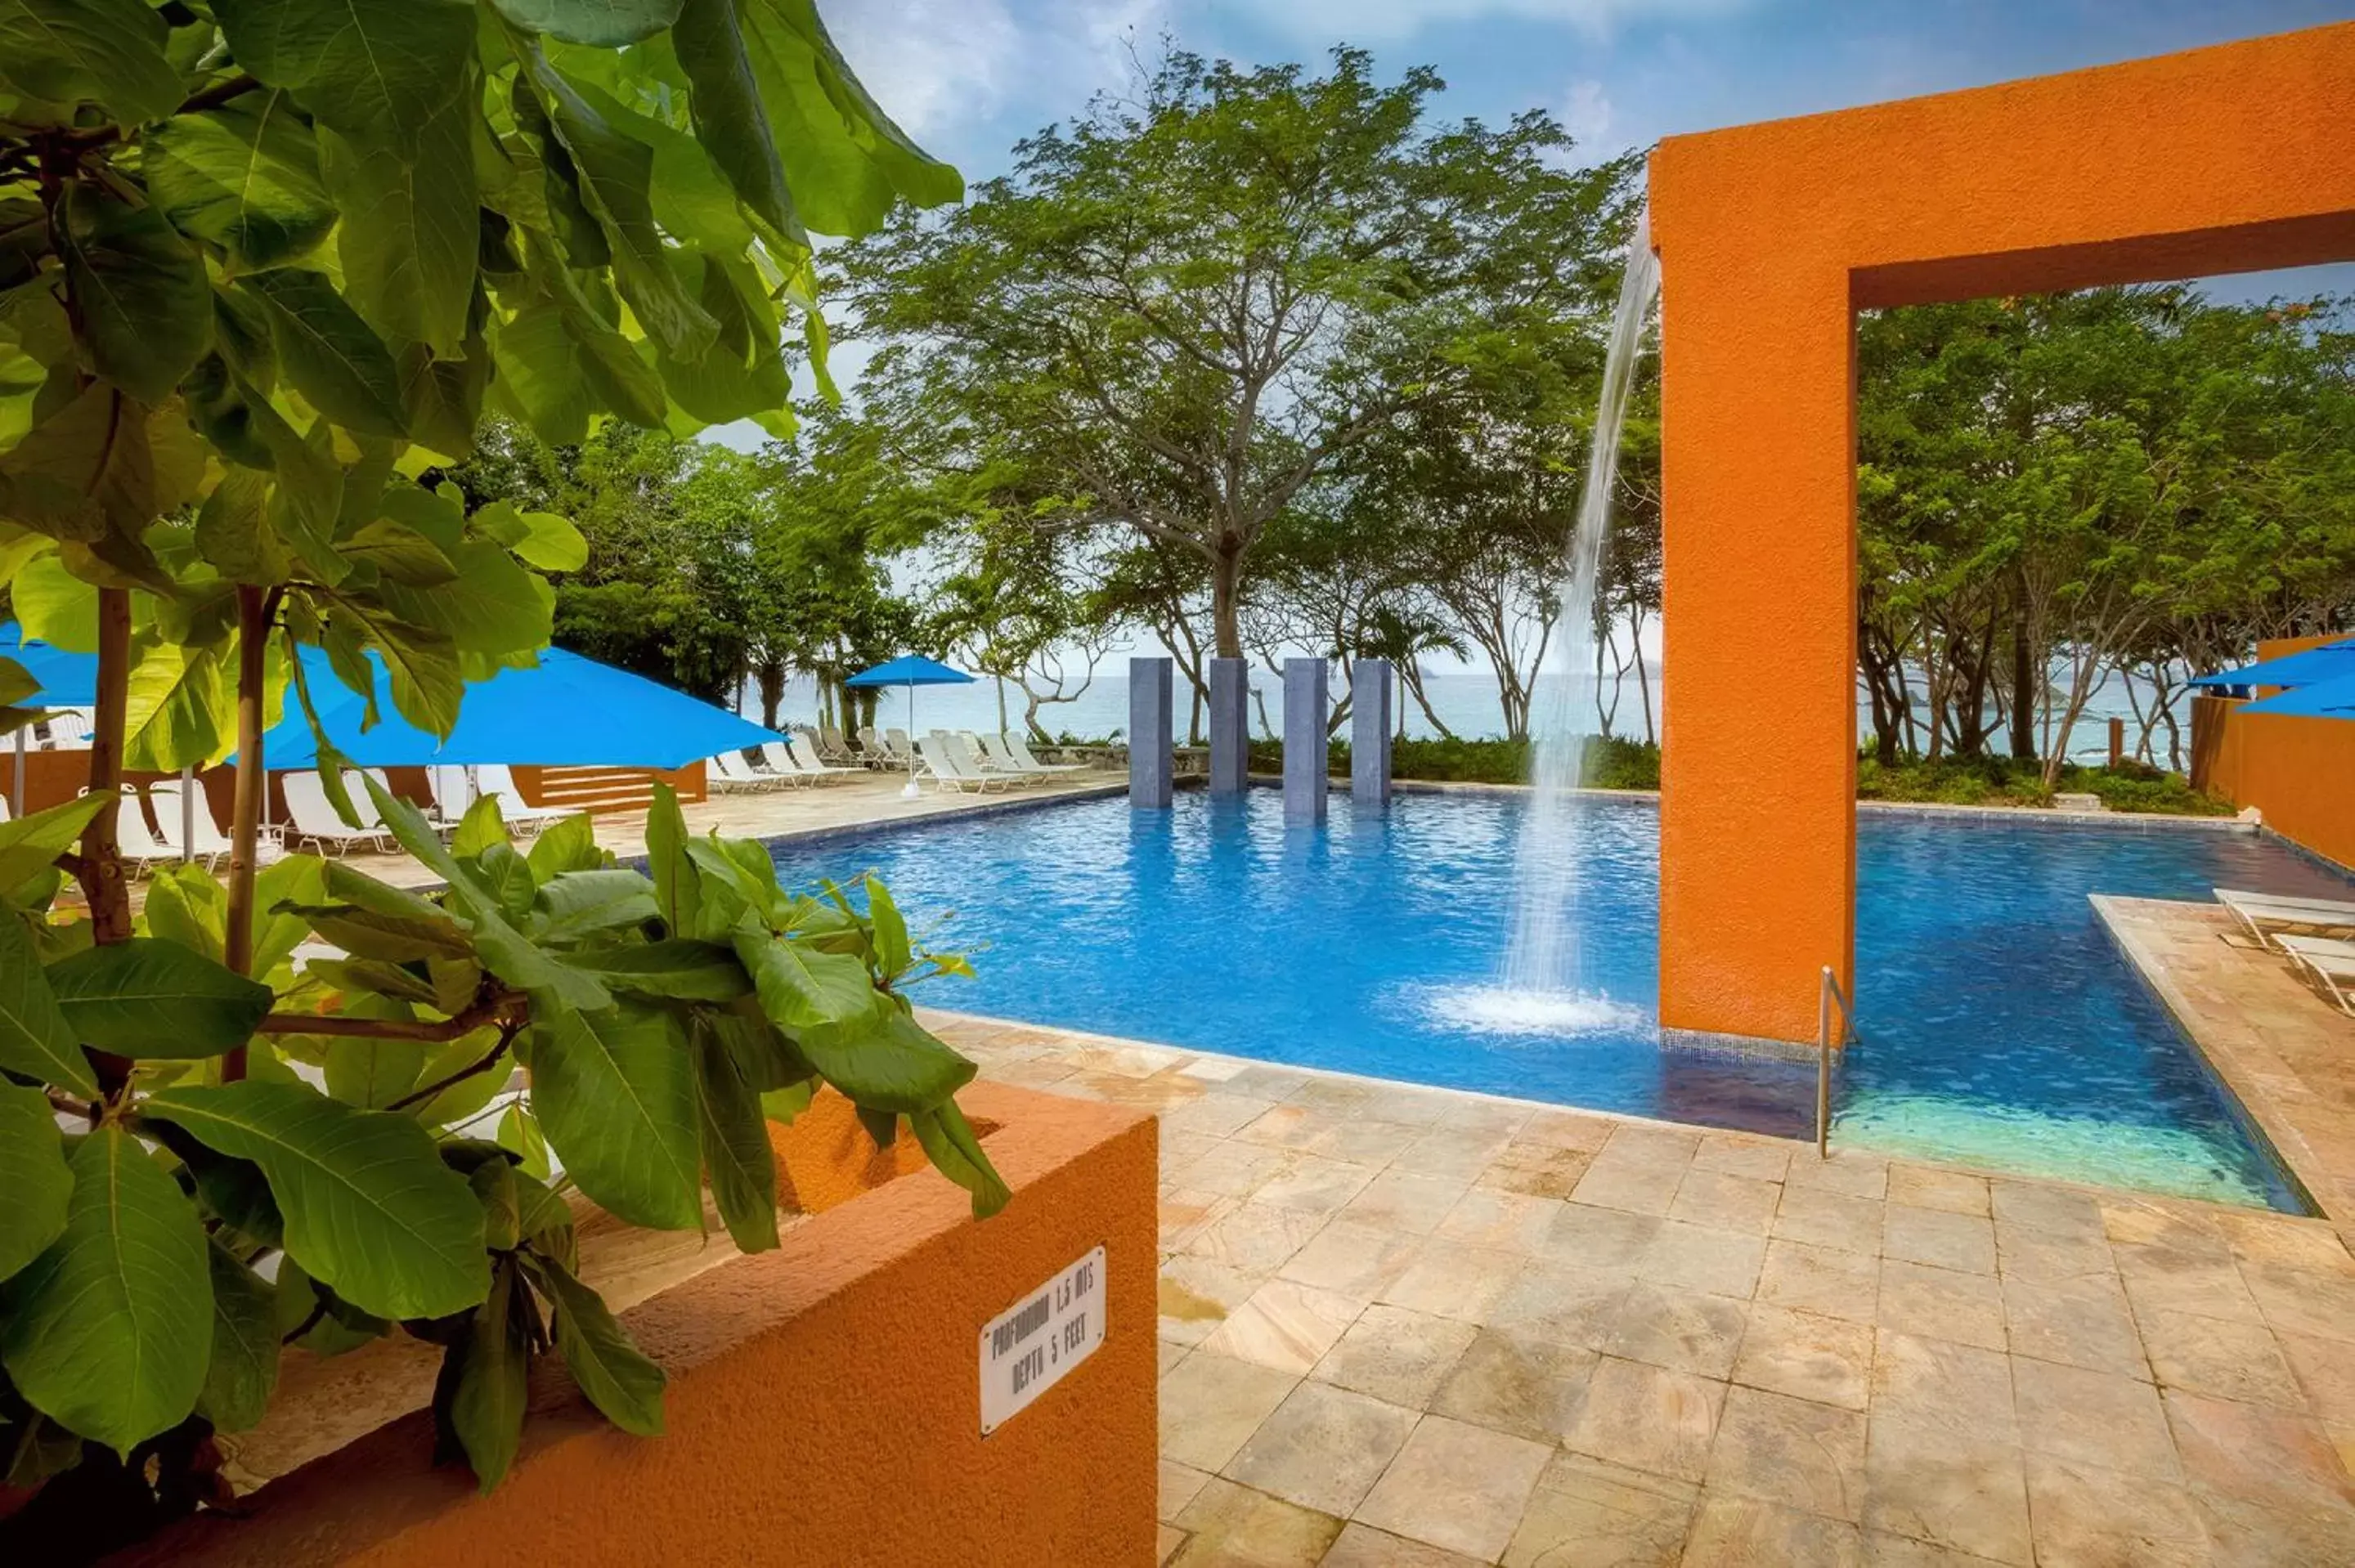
{"points": [[1999, 1026]]}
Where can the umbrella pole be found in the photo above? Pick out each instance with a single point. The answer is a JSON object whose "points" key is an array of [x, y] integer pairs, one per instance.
{"points": [[16, 792], [911, 790], [188, 815]]}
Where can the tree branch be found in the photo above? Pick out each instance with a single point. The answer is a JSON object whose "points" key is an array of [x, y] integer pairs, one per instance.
{"points": [[497, 1009], [488, 1060]]}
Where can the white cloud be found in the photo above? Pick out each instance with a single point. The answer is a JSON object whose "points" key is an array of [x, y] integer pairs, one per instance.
{"points": [[1585, 113], [1378, 21], [938, 66]]}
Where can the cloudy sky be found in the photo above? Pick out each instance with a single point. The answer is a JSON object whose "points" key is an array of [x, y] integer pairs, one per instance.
{"points": [[969, 77]]}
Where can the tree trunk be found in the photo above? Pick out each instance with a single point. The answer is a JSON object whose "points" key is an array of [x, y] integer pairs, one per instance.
{"points": [[1226, 598], [2025, 687], [771, 674], [254, 608], [101, 871]]}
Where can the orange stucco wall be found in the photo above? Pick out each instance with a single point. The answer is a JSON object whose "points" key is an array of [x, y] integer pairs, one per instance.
{"points": [[2298, 771], [823, 1403], [1770, 237]]}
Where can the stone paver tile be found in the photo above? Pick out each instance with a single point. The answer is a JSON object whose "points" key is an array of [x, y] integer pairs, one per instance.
{"points": [[1600, 1238], [1323, 1448], [1727, 1202], [2053, 1209], [1394, 1354], [1179, 1150], [2050, 1258], [1590, 1513], [1264, 1081], [2268, 1238], [1197, 1294], [1456, 1486], [2079, 1323], [1937, 1383], [1508, 1221], [1568, 1129], [1964, 1243], [1825, 1217], [1236, 1170], [1647, 1418], [1540, 1170], [1179, 1485], [1210, 1403], [1355, 1259], [1444, 1151], [1402, 1200], [1407, 1105], [1826, 1280], [1517, 1383], [1927, 1187], [2244, 1534], [1363, 1142], [2224, 1360], [1230, 1526], [1699, 1257], [1948, 1487], [1171, 1352], [2326, 1374], [1362, 1546], [1315, 1185], [2165, 1278], [1285, 1326], [1454, 1281], [2139, 1221], [1789, 1451], [1286, 1127], [1940, 1304], [2320, 1302], [1497, 1118], [1883, 1549], [1826, 1360], [1561, 1302], [1848, 1172], [2086, 1517], [1213, 1115], [1744, 1532], [1342, 1097], [1627, 1185], [1740, 1154], [2268, 1457], [1167, 1539], [1255, 1237], [1663, 1147], [1185, 1213], [2093, 1418], [1684, 1331]]}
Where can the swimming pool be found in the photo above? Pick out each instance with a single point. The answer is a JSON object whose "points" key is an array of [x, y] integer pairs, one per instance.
{"points": [[1999, 1026]]}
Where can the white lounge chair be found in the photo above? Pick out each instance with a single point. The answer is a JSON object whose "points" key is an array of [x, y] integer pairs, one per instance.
{"points": [[1020, 748], [2331, 964], [783, 766], [313, 820], [832, 746], [452, 793], [897, 748], [207, 842], [729, 774], [871, 749], [520, 816], [950, 771], [135, 841], [803, 755], [975, 750], [2261, 914]]}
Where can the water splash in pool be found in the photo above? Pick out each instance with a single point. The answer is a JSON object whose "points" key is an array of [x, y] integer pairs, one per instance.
{"points": [[1506, 1010], [1542, 965]]}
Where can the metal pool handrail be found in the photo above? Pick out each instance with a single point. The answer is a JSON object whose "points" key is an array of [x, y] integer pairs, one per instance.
{"points": [[1826, 995]]}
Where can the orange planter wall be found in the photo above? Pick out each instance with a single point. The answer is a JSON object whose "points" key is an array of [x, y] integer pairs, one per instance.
{"points": [[824, 1403], [2298, 771], [1770, 237]]}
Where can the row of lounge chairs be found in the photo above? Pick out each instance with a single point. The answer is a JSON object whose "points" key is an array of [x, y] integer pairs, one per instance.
{"points": [[788, 764], [975, 764], [953, 759], [2300, 929]]}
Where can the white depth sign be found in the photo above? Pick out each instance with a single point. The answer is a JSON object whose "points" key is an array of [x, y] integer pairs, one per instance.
{"points": [[1027, 1349]]}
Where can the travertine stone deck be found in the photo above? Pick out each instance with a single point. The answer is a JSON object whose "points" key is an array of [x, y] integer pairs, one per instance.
{"points": [[1410, 1326], [2288, 1055]]}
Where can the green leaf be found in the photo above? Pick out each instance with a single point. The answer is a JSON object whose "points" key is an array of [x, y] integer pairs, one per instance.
{"points": [[369, 1207], [615, 1094], [676, 882], [108, 52], [187, 906], [389, 939], [332, 357], [365, 70], [495, 607], [735, 1142], [479, 829], [156, 1000], [493, 1183], [444, 396], [625, 1387], [100, 464], [408, 244], [518, 1132], [601, 24], [32, 1173], [729, 118], [891, 930], [781, 1106], [179, 710], [138, 290], [803, 988], [469, 1097], [542, 538], [581, 903], [35, 1038], [108, 1331], [569, 844], [540, 377], [948, 1141], [894, 1066], [371, 1073], [243, 175], [487, 1379], [508, 876], [234, 532], [676, 969], [244, 1365], [31, 843], [401, 553]]}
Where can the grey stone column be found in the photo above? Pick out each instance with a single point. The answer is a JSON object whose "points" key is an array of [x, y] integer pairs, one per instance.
{"points": [[1151, 765], [1230, 726], [1371, 720], [1304, 740]]}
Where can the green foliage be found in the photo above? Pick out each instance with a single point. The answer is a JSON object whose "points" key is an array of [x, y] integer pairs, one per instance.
{"points": [[2002, 781]]}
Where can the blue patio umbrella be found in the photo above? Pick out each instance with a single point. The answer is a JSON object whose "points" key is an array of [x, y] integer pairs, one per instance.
{"points": [[910, 670], [67, 680], [2322, 699], [2331, 661]]}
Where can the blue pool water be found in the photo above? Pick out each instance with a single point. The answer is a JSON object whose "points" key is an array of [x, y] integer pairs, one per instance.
{"points": [[1999, 1026]]}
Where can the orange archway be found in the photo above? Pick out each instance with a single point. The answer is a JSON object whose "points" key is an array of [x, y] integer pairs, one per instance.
{"points": [[2237, 158]]}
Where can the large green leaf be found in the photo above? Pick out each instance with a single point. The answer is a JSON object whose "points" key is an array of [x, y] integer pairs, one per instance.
{"points": [[581, 903], [408, 243], [677, 970], [894, 1065], [157, 999], [234, 531], [677, 884], [495, 607], [365, 69], [244, 176], [139, 291], [180, 710], [619, 1380], [615, 1094], [729, 118], [371, 1073], [369, 1207], [108, 52], [540, 380], [544, 539], [485, 1382], [602, 24], [948, 1141], [244, 1365], [99, 463], [36, 1040], [29, 843], [109, 1331], [32, 1173], [802, 987], [330, 355], [735, 1141]]}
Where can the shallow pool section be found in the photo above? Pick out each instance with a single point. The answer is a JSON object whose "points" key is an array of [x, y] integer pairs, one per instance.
{"points": [[1999, 1026]]}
